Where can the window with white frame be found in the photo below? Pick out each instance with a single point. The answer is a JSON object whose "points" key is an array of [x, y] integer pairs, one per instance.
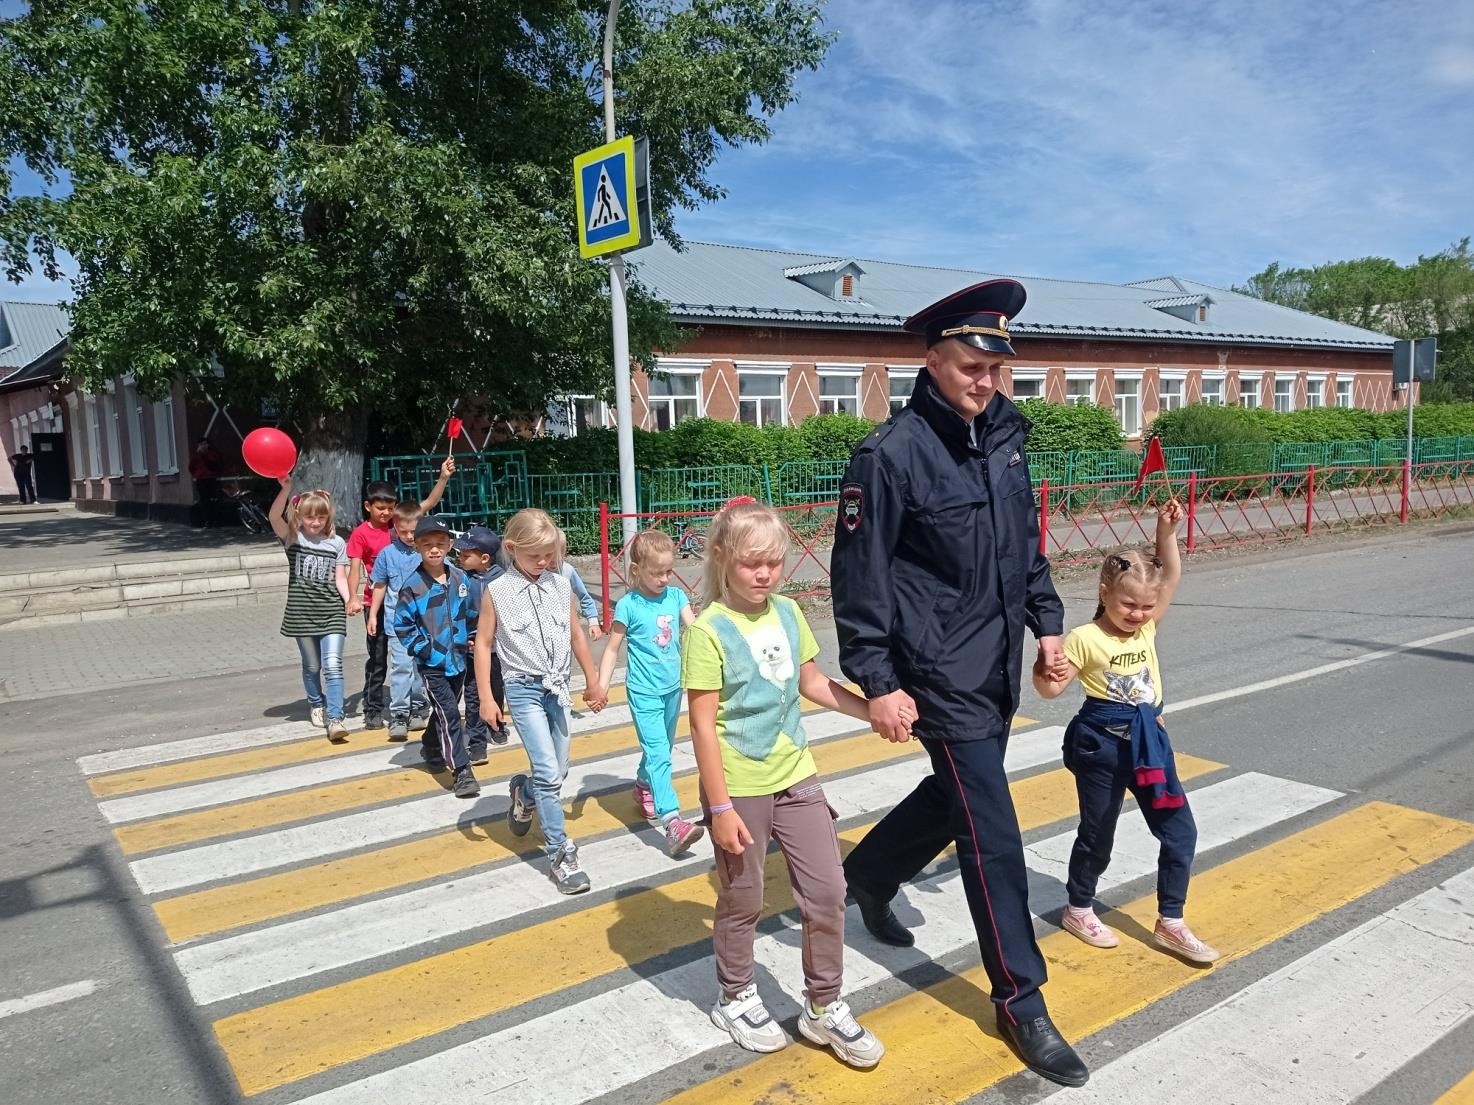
{"points": [[133, 407], [1212, 391], [1170, 391], [1315, 391], [1028, 385], [1284, 394], [1249, 392], [902, 384], [111, 430], [675, 395], [839, 391], [1128, 405], [1079, 390], [1344, 393], [94, 436], [760, 400], [166, 448]]}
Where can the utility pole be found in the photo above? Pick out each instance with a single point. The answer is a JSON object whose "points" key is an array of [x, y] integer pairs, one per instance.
{"points": [[623, 407]]}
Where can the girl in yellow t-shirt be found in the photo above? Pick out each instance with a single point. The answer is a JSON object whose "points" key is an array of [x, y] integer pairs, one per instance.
{"points": [[1117, 741], [746, 661]]}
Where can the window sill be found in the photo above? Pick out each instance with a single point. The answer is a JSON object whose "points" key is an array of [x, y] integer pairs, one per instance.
{"points": [[169, 476]]}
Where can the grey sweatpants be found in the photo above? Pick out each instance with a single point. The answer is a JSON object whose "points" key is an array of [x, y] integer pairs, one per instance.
{"points": [[802, 823]]}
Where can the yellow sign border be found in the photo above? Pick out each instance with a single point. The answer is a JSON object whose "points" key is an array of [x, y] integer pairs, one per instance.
{"points": [[631, 240]]}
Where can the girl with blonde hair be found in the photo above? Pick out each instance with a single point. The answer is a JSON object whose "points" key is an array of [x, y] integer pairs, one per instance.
{"points": [[317, 599], [531, 619], [747, 660]]}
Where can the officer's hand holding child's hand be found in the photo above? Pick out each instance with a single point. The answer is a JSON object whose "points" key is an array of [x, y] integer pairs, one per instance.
{"points": [[892, 715], [730, 832], [1052, 662]]}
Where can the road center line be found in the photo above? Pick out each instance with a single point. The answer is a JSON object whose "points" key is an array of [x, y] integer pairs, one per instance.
{"points": [[44, 998], [1312, 673]]}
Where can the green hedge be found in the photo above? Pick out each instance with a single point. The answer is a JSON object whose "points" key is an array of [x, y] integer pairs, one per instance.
{"points": [[1200, 424]]}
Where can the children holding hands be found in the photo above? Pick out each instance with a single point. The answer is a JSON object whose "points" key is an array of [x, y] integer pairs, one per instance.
{"points": [[1117, 742]]}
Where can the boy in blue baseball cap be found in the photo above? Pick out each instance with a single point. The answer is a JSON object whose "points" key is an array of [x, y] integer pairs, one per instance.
{"points": [[476, 552]]}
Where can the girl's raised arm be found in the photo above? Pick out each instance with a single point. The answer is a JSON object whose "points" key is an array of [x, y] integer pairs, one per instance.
{"points": [[1168, 555], [278, 511]]}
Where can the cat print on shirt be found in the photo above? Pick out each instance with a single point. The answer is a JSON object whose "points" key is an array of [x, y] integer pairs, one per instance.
{"points": [[1133, 690]]}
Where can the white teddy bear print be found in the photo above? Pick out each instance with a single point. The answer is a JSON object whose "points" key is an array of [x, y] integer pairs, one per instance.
{"points": [[769, 647]]}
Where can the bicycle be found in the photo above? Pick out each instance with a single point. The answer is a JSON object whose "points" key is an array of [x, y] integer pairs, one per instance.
{"points": [[249, 511], [689, 542]]}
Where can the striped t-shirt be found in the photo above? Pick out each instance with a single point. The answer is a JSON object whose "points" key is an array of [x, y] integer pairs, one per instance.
{"points": [[314, 606]]}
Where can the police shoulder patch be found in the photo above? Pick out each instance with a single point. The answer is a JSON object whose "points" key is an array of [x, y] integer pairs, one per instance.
{"points": [[851, 506]]}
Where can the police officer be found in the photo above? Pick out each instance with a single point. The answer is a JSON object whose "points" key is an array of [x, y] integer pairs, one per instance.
{"points": [[936, 575]]}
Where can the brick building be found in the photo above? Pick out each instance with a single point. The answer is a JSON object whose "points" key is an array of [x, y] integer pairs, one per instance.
{"points": [[782, 336]]}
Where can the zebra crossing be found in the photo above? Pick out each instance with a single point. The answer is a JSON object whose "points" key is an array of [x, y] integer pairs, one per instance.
{"points": [[354, 935]]}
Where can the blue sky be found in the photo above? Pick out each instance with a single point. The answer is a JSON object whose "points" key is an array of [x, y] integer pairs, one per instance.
{"points": [[1114, 141]]}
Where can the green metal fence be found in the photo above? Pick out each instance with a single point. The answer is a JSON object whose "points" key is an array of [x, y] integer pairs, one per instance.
{"points": [[493, 486]]}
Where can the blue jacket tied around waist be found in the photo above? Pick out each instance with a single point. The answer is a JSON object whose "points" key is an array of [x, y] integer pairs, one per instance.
{"points": [[1151, 754]]}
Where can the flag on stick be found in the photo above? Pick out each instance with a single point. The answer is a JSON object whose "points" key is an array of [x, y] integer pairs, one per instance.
{"points": [[1151, 461]]}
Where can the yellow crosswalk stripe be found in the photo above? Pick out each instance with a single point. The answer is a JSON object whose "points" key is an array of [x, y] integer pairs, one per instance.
{"points": [[294, 1038], [1460, 1094], [249, 760], [392, 783], [217, 909], [942, 1046]]}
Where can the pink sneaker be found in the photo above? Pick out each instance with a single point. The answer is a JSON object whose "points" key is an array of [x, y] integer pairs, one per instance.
{"points": [[1177, 938], [680, 834], [1088, 927], [645, 801]]}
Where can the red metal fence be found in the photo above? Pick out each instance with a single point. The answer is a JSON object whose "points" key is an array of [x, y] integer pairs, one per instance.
{"points": [[1078, 521]]}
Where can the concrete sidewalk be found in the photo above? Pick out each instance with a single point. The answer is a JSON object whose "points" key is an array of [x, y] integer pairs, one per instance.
{"points": [[69, 538]]}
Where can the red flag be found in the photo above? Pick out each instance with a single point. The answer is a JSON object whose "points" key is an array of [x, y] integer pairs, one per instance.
{"points": [[1151, 461], [453, 428]]}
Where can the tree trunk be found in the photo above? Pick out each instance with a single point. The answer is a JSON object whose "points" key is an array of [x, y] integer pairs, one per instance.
{"points": [[331, 457]]}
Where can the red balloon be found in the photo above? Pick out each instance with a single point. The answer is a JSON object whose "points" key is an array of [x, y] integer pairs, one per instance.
{"points": [[269, 452]]}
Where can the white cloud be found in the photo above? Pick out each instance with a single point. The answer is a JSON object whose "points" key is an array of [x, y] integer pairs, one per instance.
{"points": [[1062, 139]]}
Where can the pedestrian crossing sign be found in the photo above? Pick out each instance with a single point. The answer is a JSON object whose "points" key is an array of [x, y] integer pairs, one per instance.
{"points": [[607, 187]]}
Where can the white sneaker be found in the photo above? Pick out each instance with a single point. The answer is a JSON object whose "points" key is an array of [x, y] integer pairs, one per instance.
{"points": [[566, 874], [837, 1028], [318, 716], [747, 1021]]}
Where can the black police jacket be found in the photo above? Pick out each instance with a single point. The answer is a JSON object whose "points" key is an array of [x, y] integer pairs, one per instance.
{"points": [[936, 565]]}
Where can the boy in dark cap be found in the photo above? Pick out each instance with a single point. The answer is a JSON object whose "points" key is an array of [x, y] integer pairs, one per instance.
{"points": [[937, 576], [431, 620], [476, 551]]}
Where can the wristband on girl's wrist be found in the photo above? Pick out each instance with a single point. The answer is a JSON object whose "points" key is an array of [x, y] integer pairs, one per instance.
{"points": [[723, 808]]}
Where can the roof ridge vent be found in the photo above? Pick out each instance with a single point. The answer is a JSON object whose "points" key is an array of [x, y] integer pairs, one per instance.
{"points": [[838, 279]]}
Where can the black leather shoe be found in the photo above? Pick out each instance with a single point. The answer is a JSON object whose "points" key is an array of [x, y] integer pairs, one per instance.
{"points": [[882, 923], [1044, 1051]]}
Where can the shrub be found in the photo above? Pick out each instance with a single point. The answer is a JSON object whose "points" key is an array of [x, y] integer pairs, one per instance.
{"points": [[1205, 424], [1058, 427]]}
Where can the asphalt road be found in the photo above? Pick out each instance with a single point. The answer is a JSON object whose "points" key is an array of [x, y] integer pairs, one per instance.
{"points": [[1399, 728]]}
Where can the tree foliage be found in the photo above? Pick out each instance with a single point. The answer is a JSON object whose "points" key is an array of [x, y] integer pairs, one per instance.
{"points": [[362, 208], [1432, 297]]}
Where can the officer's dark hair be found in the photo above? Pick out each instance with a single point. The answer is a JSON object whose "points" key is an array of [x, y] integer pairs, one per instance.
{"points": [[1127, 563], [379, 492]]}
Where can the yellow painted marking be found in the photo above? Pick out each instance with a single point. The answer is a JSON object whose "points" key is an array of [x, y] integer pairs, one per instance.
{"points": [[300, 1036], [941, 1042], [394, 782], [247, 761], [1461, 1094], [469, 845]]}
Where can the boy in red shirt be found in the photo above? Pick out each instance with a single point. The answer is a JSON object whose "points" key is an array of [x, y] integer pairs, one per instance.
{"points": [[365, 544]]}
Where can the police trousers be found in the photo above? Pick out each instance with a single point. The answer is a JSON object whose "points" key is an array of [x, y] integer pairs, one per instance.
{"points": [[966, 802]]}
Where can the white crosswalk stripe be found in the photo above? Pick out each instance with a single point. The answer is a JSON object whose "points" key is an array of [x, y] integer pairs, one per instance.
{"points": [[532, 1064]]}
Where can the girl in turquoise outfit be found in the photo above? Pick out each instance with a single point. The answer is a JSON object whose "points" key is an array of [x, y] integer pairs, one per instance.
{"points": [[747, 660]]}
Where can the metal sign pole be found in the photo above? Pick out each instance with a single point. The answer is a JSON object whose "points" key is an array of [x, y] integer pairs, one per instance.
{"points": [[1409, 454], [623, 409]]}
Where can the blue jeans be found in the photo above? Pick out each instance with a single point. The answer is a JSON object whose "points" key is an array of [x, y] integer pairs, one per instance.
{"points": [[542, 723], [655, 717], [322, 670], [406, 688]]}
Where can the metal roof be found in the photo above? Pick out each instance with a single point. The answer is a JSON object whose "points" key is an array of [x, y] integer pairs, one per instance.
{"points": [[833, 265], [1177, 301], [707, 281], [28, 331]]}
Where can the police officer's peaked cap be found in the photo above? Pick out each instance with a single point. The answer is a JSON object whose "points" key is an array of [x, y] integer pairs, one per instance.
{"points": [[978, 315]]}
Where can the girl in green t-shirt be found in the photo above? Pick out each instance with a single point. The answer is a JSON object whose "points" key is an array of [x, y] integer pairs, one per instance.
{"points": [[747, 660]]}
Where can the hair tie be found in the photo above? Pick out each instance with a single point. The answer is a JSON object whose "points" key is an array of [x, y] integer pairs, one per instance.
{"points": [[296, 499]]}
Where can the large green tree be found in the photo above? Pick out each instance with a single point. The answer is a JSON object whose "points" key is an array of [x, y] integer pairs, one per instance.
{"points": [[1432, 297], [361, 209]]}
